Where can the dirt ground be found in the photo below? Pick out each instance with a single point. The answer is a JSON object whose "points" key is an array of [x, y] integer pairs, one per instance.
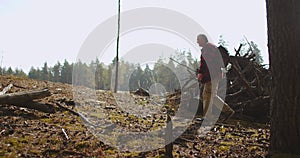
{"points": [[31, 133]]}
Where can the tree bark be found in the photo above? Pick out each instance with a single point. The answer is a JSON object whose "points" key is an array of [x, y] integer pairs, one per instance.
{"points": [[284, 50]]}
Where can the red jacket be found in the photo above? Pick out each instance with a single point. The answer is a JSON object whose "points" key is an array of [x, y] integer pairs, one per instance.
{"points": [[211, 63]]}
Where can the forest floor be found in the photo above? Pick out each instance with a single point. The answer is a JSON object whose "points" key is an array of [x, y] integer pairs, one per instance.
{"points": [[31, 133]]}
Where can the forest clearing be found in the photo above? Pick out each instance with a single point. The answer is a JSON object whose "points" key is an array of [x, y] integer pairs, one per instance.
{"points": [[138, 88], [29, 133]]}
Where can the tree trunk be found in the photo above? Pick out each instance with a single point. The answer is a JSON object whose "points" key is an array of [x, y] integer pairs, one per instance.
{"points": [[284, 50]]}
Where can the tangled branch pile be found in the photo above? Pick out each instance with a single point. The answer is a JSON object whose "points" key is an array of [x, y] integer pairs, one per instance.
{"points": [[248, 88]]}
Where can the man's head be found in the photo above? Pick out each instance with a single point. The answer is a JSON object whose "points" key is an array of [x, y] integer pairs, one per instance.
{"points": [[202, 40]]}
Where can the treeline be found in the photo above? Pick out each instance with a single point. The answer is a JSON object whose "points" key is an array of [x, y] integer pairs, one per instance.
{"points": [[131, 76], [10, 71], [58, 73], [101, 76]]}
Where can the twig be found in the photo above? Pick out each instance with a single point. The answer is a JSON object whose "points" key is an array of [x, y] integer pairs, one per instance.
{"points": [[67, 109], [19, 86], [259, 145], [182, 65], [77, 114], [225, 125], [237, 52], [63, 130], [186, 140], [2, 132]]}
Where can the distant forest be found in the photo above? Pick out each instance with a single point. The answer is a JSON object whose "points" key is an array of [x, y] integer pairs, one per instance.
{"points": [[131, 76], [98, 75]]}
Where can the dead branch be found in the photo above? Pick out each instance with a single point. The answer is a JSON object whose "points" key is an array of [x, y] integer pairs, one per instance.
{"points": [[6, 89], [242, 78]]}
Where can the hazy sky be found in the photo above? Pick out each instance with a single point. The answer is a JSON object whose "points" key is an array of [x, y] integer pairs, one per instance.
{"points": [[35, 31]]}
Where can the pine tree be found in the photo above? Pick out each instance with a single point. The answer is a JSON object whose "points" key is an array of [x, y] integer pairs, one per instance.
{"points": [[45, 72], [66, 72], [19, 73], [56, 72], [9, 71], [136, 80], [33, 73]]}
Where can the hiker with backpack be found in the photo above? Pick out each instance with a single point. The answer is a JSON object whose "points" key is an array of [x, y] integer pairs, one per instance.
{"points": [[209, 74]]}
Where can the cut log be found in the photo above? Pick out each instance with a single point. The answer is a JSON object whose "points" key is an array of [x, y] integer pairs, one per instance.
{"points": [[23, 97]]}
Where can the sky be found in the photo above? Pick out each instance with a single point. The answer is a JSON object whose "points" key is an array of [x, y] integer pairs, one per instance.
{"points": [[36, 31]]}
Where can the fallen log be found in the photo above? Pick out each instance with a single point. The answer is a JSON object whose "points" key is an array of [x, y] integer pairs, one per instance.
{"points": [[26, 100], [23, 97]]}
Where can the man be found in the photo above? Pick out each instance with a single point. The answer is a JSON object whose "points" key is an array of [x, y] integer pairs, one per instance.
{"points": [[210, 74]]}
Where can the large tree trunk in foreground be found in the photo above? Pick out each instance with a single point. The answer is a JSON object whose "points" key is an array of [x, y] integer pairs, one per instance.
{"points": [[284, 50]]}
